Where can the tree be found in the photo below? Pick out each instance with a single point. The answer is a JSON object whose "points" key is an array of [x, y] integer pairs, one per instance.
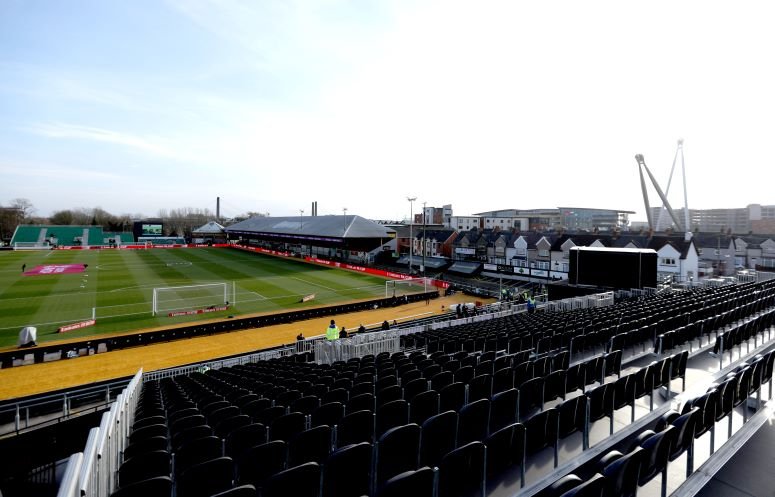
{"points": [[62, 218], [10, 218], [24, 206]]}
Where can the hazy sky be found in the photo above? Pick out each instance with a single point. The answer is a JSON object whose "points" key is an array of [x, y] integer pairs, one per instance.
{"points": [[138, 105]]}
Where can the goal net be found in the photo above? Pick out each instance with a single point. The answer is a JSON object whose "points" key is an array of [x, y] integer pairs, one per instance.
{"points": [[194, 298], [397, 288]]}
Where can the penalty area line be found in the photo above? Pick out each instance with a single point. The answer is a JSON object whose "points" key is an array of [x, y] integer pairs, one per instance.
{"points": [[316, 284]]}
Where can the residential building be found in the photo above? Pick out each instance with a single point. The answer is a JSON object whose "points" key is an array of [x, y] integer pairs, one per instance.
{"points": [[465, 223], [754, 218], [567, 218]]}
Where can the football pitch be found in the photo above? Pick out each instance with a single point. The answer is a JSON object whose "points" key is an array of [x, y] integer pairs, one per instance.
{"points": [[117, 288]]}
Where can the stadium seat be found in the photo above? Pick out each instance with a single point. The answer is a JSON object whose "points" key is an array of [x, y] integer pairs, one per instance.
{"points": [[415, 387], [347, 471], [245, 437], [542, 432], [312, 445], [452, 397], [439, 436], [258, 463], [423, 406], [398, 450], [572, 418], [287, 426], [144, 466], [160, 486], [506, 448], [504, 408], [464, 471], [146, 445], [227, 425], [417, 483], [241, 491], [474, 421], [355, 427], [327, 414], [621, 472], [592, 487], [299, 481], [206, 478], [197, 451], [563, 485]]}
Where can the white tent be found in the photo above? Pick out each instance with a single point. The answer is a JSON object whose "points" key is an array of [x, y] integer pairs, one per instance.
{"points": [[27, 336]]}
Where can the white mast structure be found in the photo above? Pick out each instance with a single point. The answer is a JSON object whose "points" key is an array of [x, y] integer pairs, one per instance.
{"points": [[662, 221], [666, 208]]}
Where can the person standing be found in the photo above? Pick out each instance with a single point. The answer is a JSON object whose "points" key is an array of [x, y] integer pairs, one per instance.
{"points": [[531, 304], [332, 332], [342, 333], [24, 266]]}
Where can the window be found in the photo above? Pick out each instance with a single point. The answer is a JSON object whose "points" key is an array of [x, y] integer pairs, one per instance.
{"points": [[565, 267], [543, 253], [522, 252], [668, 261], [542, 265]]}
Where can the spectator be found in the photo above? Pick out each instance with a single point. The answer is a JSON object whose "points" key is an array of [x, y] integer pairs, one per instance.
{"points": [[385, 325], [332, 332], [342, 333], [531, 304], [361, 329], [299, 337]]}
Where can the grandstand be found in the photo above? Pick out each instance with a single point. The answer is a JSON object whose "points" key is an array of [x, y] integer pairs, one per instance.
{"points": [[45, 236], [647, 395]]}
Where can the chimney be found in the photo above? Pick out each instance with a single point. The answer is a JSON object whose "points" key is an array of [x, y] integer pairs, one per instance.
{"points": [[218, 209]]}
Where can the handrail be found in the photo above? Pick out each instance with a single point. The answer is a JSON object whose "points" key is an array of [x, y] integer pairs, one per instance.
{"points": [[59, 402]]}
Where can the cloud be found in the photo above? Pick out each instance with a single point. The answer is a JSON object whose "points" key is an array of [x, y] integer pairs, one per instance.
{"points": [[50, 170], [153, 146]]}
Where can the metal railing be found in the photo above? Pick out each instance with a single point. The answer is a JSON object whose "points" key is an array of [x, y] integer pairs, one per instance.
{"points": [[330, 351], [44, 410], [92, 473], [229, 362]]}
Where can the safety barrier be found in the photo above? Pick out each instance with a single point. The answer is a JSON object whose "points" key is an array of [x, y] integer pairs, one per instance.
{"points": [[91, 473], [329, 351]]}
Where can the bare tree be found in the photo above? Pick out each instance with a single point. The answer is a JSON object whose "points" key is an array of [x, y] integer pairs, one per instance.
{"points": [[25, 207]]}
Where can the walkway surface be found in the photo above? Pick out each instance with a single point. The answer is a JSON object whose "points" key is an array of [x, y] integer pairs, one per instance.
{"points": [[34, 379]]}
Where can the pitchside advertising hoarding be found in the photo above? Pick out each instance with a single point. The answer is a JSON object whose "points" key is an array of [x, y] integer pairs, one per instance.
{"points": [[351, 267]]}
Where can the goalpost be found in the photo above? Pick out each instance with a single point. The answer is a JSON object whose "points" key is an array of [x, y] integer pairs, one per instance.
{"points": [[190, 297], [398, 288]]}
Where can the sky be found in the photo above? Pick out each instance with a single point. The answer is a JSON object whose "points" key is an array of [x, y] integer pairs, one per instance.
{"points": [[157, 104]]}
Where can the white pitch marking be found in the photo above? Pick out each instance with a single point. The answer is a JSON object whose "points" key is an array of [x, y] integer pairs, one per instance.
{"points": [[316, 284]]}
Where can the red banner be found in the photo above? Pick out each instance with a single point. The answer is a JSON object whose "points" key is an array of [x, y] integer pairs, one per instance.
{"points": [[261, 250], [76, 326], [198, 311], [375, 272]]}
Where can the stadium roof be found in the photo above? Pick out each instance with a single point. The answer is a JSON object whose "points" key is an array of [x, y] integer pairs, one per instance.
{"points": [[210, 228], [315, 230]]}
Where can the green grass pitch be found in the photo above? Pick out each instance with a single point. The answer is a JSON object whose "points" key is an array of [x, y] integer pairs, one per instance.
{"points": [[119, 284]]}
